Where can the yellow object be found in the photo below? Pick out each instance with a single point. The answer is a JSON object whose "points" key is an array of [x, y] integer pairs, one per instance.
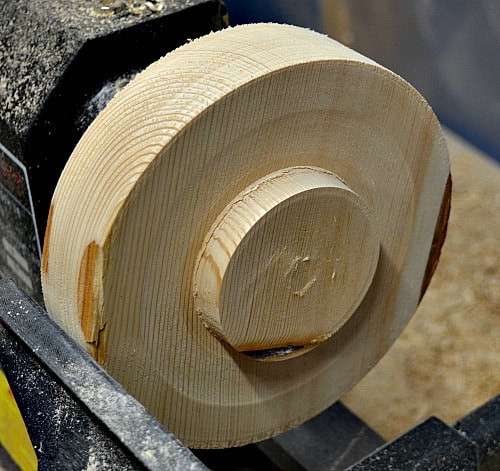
{"points": [[14, 436]]}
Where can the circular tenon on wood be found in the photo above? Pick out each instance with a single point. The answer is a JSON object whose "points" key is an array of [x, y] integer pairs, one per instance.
{"points": [[252, 295], [244, 230]]}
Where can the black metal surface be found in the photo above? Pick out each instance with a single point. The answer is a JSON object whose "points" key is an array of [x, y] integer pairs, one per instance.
{"points": [[244, 458], [56, 58], [431, 446], [482, 427], [77, 416], [331, 441]]}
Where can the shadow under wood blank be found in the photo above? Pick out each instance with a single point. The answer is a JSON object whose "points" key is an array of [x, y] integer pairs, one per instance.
{"points": [[245, 229]]}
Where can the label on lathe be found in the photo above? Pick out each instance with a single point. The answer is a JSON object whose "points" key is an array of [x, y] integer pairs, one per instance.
{"points": [[20, 251]]}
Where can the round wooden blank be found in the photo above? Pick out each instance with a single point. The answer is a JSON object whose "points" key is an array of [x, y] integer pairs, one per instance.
{"points": [[176, 158]]}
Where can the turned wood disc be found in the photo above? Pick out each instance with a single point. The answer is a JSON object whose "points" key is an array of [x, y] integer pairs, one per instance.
{"points": [[245, 229]]}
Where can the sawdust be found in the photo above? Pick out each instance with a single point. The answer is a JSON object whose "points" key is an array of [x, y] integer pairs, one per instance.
{"points": [[447, 361]]}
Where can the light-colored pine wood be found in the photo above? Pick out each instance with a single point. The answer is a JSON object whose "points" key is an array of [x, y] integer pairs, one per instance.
{"points": [[266, 279], [258, 192]]}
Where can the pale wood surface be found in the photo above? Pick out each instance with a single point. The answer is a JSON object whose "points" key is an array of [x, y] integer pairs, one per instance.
{"points": [[447, 361], [136, 202], [241, 289]]}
